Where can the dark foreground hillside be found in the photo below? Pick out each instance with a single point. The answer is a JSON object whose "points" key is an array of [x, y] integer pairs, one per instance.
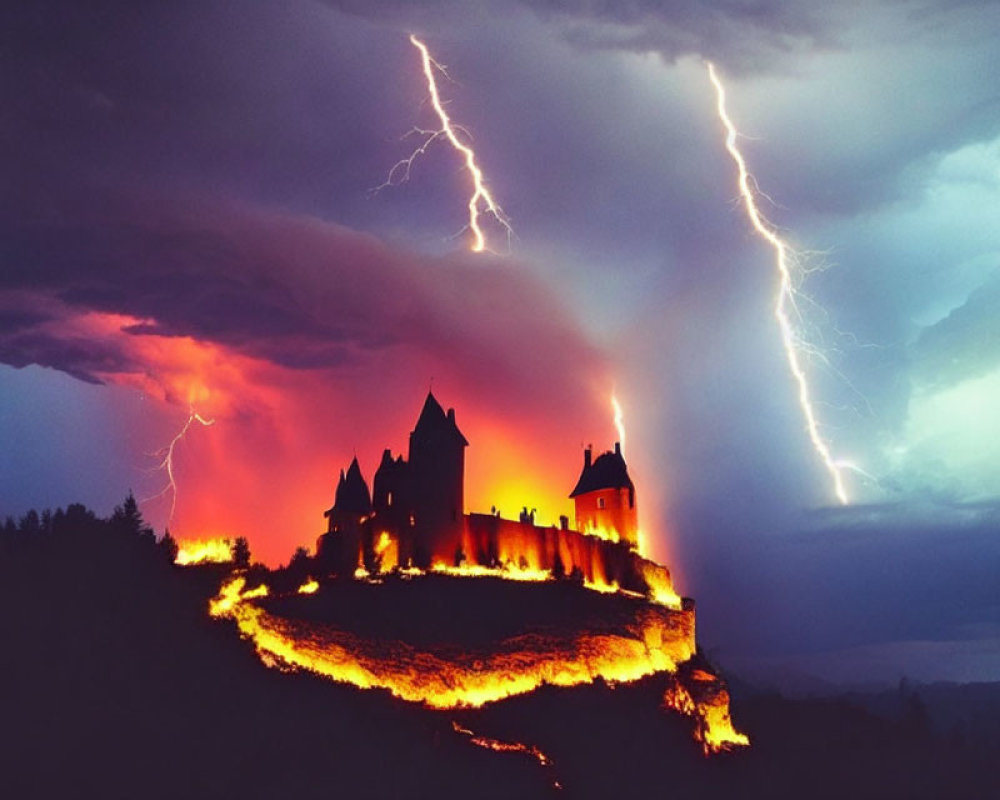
{"points": [[115, 683]]}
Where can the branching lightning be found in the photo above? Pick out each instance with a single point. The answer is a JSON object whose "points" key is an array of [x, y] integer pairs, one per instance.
{"points": [[785, 260], [481, 201], [167, 454]]}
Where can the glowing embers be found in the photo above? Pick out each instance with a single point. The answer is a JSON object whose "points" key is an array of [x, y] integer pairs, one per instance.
{"points": [[500, 746], [386, 552], [785, 305], [571, 639], [630, 639], [480, 201], [311, 586], [601, 532], [205, 551], [232, 595], [698, 693], [510, 572]]}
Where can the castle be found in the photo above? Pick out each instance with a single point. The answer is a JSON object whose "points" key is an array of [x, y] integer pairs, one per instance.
{"points": [[414, 518]]}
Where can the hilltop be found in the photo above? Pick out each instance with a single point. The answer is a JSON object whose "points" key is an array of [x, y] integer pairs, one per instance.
{"points": [[117, 683]]}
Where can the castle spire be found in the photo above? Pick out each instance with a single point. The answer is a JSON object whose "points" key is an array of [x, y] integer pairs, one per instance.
{"points": [[352, 491]]}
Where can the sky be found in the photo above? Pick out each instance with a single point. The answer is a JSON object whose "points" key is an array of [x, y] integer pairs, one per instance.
{"points": [[188, 224]]}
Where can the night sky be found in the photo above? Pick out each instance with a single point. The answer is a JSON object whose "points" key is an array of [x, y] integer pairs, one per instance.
{"points": [[187, 221]]}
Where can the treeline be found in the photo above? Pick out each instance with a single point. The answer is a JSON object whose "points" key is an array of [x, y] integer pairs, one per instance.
{"points": [[79, 522]]}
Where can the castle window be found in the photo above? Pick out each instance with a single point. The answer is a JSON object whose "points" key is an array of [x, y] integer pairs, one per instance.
{"points": [[600, 502], [388, 499]]}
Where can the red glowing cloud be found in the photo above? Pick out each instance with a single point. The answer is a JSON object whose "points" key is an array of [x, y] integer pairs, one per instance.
{"points": [[307, 343]]}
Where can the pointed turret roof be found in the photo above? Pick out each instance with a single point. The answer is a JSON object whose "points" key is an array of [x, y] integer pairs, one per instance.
{"points": [[352, 491], [432, 419], [608, 471]]}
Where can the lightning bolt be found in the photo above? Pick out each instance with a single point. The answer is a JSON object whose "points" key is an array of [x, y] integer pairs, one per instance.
{"points": [[785, 259], [480, 201], [619, 420], [167, 453]]}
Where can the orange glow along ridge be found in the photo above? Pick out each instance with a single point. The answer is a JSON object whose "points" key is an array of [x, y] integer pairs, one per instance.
{"points": [[657, 639]]}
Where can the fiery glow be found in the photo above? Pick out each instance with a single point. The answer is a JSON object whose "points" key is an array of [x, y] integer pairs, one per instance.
{"points": [[785, 259], [601, 532], [167, 464], [205, 551], [271, 418], [500, 746], [480, 201], [231, 596], [619, 421], [657, 641], [661, 587], [309, 587], [705, 697], [387, 552], [510, 572]]}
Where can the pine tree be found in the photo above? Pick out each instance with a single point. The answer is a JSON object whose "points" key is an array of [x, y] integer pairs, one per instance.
{"points": [[128, 519]]}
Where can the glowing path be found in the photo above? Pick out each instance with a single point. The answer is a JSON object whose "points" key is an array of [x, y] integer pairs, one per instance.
{"points": [[481, 201], [784, 256], [167, 464]]}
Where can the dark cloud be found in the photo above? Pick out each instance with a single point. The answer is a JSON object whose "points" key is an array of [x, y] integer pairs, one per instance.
{"points": [[77, 356], [293, 291], [742, 35]]}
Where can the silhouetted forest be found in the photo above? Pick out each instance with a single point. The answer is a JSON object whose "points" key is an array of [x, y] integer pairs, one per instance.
{"points": [[116, 683]]}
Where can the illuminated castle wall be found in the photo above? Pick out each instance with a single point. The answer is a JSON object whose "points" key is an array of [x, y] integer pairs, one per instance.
{"points": [[415, 518]]}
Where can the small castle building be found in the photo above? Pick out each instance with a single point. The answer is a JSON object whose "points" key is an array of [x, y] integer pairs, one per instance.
{"points": [[604, 497]]}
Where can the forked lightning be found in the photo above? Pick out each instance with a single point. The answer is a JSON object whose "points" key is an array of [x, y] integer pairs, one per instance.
{"points": [[480, 201], [167, 464], [785, 259]]}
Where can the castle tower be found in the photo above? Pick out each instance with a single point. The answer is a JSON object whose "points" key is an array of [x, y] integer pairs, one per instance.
{"points": [[437, 482], [352, 498], [605, 498], [340, 549], [391, 490], [392, 500]]}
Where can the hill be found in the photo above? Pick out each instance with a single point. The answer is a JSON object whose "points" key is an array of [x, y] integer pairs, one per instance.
{"points": [[116, 683]]}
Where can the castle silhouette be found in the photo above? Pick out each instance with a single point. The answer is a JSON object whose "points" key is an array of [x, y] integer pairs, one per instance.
{"points": [[415, 518]]}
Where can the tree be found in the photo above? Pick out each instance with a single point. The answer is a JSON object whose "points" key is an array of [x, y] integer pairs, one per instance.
{"points": [[76, 519], [241, 552], [128, 519], [300, 564], [30, 523], [168, 546]]}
